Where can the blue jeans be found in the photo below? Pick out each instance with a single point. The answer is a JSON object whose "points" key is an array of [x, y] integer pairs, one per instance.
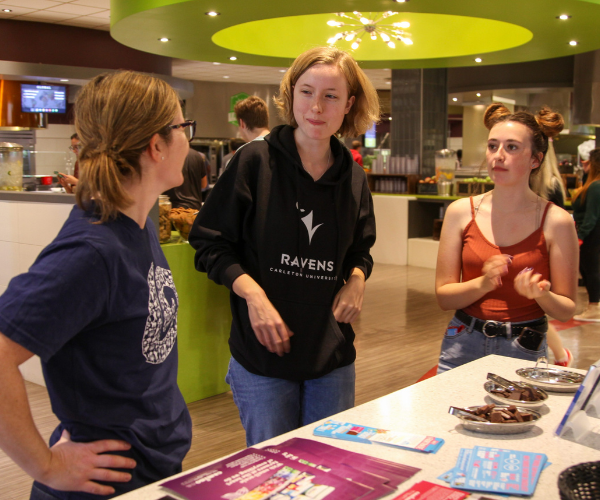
{"points": [[460, 347], [271, 406]]}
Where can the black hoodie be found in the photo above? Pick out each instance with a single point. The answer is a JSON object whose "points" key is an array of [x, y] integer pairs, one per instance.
{"points": [[299, 239]]}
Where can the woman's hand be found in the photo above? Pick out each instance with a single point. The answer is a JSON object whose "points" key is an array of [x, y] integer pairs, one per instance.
{"points": [[68, 182], [347, 303], [269, 328], [76, 466], [493, 270], [531, 285]]}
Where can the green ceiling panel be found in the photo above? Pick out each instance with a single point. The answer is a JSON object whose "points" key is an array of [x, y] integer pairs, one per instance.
{"points": [[446, 33], [434, 35]]}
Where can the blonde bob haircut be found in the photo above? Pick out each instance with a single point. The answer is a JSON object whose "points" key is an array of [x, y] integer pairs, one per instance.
{"points": [[365, 109], [116, 116]]}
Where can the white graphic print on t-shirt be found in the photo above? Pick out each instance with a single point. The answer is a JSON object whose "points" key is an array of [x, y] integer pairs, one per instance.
{"points": [[161, 325]]}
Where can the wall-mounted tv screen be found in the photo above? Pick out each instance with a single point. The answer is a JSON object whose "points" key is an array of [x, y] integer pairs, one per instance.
{"points": [[43, 98]]}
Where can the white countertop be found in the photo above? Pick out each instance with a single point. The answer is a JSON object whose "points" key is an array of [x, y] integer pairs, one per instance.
{"points": [[423, 409]]}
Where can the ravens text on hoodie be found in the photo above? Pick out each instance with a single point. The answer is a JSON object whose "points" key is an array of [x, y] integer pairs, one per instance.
{"points": [[299, 239]]}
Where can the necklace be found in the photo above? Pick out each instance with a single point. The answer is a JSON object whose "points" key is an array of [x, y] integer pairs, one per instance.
{"points": [[326, 166]]}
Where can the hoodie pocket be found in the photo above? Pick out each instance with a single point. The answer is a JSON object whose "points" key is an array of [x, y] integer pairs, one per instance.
{"points": [[318, 344]]}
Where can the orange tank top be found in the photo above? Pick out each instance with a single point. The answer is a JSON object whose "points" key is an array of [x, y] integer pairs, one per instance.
{"points": [[504, 303]]}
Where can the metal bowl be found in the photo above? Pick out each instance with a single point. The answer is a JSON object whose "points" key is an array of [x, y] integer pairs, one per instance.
{"points": [[552, 379], [489, 386], [493, 428]]}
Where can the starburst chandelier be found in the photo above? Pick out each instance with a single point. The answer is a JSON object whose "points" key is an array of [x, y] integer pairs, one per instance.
{"points": [[360, 26]]}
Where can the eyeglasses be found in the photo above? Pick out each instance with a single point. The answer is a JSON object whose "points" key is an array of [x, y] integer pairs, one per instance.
{"points": [[188, 126], [74, 148]]}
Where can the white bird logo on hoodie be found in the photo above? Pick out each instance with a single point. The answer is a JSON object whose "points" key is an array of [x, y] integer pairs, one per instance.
{"points": [[308, 222]]}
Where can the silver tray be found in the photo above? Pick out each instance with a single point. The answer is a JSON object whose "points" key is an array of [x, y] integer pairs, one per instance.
{"points": [[491, 385], [552, 379], [493, 428]]}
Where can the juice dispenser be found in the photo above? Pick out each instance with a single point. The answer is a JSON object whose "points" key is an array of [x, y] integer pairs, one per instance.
{"points": [[11, 166]]}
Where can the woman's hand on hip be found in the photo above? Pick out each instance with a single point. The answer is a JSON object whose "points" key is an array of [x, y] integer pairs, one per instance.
{"points": [[531, 285], [76, 466], [493, 270], [347, 303]]}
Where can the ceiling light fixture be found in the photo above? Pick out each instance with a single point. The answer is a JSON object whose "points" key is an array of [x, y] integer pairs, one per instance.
{"points": [[401, 1], [478, 59], [225, 76], [212, 13], [282, 70], [217, 63], [455, 99], [563, 17], [233, 58], [164, 39], [360, 26], [6, 10], [64, 80], [478, 94], [572, 43]]}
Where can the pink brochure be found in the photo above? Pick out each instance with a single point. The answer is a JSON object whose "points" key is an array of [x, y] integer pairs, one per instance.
{"points": [[395, 473], [377, 483], [255, 474]]}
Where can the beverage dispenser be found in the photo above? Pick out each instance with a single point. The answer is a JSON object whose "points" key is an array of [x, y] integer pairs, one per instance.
{"points": [[11, 166]]}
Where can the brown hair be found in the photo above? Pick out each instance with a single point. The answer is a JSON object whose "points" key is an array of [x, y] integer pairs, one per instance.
{"points": [[253, 110], [365, 109], [545, 124], [356, 144], [116, 116], [593, 174]]}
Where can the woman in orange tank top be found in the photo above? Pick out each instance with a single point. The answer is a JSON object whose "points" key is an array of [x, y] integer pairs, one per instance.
{"points": [[507, 257]]}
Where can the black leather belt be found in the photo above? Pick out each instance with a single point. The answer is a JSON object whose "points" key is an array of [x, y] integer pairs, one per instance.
{"points": [[498, 328]]}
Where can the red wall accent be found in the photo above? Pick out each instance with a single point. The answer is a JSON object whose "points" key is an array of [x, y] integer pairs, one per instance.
{"points": [[31, 42]]}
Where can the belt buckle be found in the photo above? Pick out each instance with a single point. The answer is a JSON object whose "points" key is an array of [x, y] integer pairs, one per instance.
{"points": [[492, 323]]}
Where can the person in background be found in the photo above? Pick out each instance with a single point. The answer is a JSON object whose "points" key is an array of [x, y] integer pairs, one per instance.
{"points": [[499, 250], [356, 156], [189, 194], [586, 212], [549, 185], [293, 246], [99, 307], [235, 143], [252, 115], [69, 182]]}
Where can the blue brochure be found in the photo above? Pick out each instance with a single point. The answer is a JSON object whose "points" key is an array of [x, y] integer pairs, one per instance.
{"points": [[369, 435]]}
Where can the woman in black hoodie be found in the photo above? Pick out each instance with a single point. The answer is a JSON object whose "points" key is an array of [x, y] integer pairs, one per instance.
{"points": [[287, 229]]}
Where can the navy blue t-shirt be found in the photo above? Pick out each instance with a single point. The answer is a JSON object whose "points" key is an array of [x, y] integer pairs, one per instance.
{"points": [[99, 307]]}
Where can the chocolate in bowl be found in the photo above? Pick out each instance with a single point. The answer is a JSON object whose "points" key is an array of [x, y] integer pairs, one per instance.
{"points": [[500, 428], [491, 388], [552, 379]]}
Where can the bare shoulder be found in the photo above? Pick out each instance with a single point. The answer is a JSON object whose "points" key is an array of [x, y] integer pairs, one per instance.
{"points": [[458, 212], [557, 217]]}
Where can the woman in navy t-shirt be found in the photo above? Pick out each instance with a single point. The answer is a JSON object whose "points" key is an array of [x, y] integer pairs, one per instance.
{"points": [[99, 308]]}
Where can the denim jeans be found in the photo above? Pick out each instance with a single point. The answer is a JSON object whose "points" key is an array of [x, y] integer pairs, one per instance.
{"points": [[270, 406], [462, 345]]}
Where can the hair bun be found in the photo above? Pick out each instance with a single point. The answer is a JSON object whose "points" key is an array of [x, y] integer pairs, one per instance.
{"points": [[550, 122], [494, 113]]}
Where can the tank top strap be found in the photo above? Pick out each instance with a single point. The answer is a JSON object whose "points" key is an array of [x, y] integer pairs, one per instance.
{"points": [[545, 212], [472, 208]]}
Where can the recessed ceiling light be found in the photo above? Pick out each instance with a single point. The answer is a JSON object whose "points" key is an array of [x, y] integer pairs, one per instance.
{"points": [[225, 76], [390, 118], [478, 94], [64, 80], [164, 39], [401, 1], [6, 10], [573, 43], [563, 17], [388, 82], [216, 63], [282, 70], [478, 59], [212, 13], [455, 99], [233, 58]]}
